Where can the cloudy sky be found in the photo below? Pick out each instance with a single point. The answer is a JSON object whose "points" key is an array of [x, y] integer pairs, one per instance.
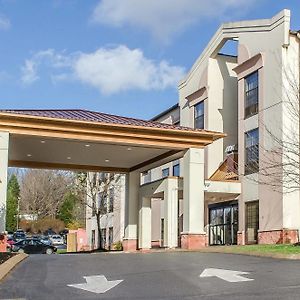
{"points": [[116, 56]]}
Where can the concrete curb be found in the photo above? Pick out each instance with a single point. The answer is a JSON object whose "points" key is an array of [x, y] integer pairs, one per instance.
{"points": [[219, 250], [7, 266]]}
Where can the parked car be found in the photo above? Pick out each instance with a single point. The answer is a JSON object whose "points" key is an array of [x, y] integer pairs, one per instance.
{"points": [[49, 232], [10, 235], [11, 241], [18, 236], [32, 246], [56, 239], [45, 239]]}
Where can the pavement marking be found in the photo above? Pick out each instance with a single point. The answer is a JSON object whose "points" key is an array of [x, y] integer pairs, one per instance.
{"points": [[96, 284], [227, 275]]}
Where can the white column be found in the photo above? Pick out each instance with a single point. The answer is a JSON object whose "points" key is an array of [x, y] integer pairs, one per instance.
{"points": [[171, 213], [145, 224], [193, 191], [131, 210], [4, 143]]}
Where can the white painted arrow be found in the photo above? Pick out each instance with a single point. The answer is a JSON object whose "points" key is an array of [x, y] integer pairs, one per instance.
{"points": [[227, 275], [96, 284]]}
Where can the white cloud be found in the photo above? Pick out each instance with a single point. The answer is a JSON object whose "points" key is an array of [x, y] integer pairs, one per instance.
{"points": [[163, 18], [4, 23], [110, 70], [29, 72], [50, 58], [119, 69]]}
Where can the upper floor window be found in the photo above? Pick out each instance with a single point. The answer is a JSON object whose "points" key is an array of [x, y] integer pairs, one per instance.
{"points": [[176, 170], [165, 172], [146, 177], [111, 200], [102, 203], [251, 94], [251, 151], [199, 115]]}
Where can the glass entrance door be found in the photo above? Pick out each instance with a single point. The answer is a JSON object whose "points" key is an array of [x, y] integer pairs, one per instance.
{"points": [[223, 224]]}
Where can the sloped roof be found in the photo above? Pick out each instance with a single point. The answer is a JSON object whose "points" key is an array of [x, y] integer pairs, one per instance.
{"points": [[93, 116]]}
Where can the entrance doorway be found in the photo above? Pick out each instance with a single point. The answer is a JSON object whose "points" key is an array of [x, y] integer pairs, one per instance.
{"points": [[223, 223]]}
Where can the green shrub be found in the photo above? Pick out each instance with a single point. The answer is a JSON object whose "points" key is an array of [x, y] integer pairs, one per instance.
{"points": [[118, 246]]}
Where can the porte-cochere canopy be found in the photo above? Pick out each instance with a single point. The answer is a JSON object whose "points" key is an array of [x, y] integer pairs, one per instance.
{"points": [[88, 140]]}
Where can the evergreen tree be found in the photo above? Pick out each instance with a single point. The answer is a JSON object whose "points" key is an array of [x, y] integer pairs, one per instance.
{"points": [[66, 211], [13, 194]]}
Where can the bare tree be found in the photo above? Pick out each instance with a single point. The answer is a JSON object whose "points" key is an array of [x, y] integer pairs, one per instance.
{"points": [[101, 190], [42, 192], [275, 160]]}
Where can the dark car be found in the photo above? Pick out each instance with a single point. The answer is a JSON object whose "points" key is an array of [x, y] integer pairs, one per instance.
{"points": [[18, 236], [32, 246]]}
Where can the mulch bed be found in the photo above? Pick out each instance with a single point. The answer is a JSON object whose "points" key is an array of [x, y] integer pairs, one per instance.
{"points": [[5, 256]]}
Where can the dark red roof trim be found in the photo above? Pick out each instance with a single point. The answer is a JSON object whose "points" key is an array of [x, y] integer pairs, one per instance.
{"points": [[92, 116]]}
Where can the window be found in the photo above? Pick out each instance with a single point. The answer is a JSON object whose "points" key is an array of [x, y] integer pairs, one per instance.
{"points": [[93, 239], [199, 115], [103, 203], [103, 238], [93, 208], [251, 94], [146, 177], [165, 172], [252, 151], [111, 200], [252, 222], [110, 237], [176, 170]]}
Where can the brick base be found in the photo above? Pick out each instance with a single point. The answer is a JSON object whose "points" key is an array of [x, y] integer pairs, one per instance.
{"points": [[130, 245], [283, 236], [156, 244], [193, 241]]}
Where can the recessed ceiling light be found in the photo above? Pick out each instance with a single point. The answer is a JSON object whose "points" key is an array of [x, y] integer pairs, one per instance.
{"points": [[43, 142], [87, 145], [69, 157], [29, 155], [107, 160]]}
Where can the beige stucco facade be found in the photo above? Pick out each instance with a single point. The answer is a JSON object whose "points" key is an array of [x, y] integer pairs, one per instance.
{"points": [[271, 49], [186, 186]]}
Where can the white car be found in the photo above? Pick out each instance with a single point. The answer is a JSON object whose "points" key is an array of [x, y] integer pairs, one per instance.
{"points": [[57, 240]]}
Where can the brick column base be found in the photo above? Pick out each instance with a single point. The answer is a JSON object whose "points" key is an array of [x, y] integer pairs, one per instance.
{"points": [[193, 241], [130, 245], [282, 236]]}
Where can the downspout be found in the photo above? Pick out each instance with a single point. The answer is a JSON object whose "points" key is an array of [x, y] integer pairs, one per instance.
{"points": [[298, 36]]}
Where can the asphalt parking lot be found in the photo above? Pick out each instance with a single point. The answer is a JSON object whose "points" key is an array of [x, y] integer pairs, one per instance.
{"points": [[152, 276]]}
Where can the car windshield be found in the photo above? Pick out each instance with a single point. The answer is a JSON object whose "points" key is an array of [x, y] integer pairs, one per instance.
{"points": [[20, 234]]}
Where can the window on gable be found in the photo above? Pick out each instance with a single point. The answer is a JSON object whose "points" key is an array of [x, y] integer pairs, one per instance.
{"points": [[251, 94], [176, 170], [165, 172], [199, 115]]}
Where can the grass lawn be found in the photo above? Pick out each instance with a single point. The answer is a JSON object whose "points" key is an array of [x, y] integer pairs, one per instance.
{"points": [[264, 250], [61, 251]]}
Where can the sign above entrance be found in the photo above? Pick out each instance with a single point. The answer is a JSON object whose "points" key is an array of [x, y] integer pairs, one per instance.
{"points": [[231, 148]]}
